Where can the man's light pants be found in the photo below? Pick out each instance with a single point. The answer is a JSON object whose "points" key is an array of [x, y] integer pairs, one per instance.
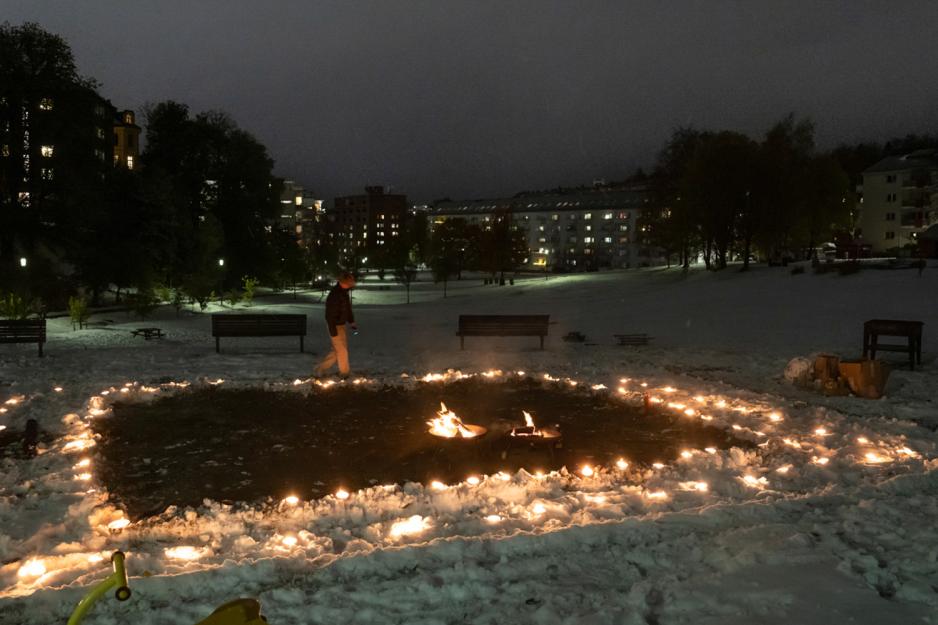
{"points": [[339, 353]]}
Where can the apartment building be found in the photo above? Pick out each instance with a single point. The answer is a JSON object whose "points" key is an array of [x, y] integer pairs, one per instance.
{"points": [[900, 200], [576, 231], [369, 221]]}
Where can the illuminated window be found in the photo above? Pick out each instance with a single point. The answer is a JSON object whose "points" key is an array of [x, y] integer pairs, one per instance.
{"points": [[555, 217], [589, 228], [607, 240], [23, 197], [47, 150], [607, 216], [588, 239], [46, 173], [45, 104], [587, 215], [5, 150], [130, 162], [99, 132]]}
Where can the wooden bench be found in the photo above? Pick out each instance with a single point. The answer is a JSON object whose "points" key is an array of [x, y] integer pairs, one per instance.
{"points": [[148, 333], [911, 330], [502, 325], [632, 339], [23, 331], [258, 325]]}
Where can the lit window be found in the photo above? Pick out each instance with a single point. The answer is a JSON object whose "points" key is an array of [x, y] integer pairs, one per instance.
{"points": [[587, 215], [588, 227], [555, 217], [99, 132], [607, 216], [47, 150], [23, 197], [5, 150], [46, 173], [607, 240], [588, 239], [45, 104], [130, 162]]}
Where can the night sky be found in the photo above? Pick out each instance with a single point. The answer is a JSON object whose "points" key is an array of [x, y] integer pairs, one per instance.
{"points": [[480, 99]]}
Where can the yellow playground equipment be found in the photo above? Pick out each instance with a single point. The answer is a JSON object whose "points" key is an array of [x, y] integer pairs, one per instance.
{"points": [[237, 612]]}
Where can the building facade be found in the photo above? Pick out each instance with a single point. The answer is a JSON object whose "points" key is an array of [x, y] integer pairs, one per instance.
{"points": [[577, 231], [301, 214], [126, 140], [900, 200], [367, 222]]}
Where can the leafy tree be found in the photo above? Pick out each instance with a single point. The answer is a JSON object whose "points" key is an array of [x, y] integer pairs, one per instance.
{"points": [[674, 229], [503, 247], [447, 250], [215, 170], [43, 99]]}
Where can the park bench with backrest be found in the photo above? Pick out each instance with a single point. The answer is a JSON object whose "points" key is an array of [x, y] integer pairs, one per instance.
{"points": [[502, 325], [910, 330], [23, 331], [254, 325]]}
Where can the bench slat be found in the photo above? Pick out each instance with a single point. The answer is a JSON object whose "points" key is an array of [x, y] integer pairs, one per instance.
{"points": [[23, 331], [503, 325], [255, 325]]}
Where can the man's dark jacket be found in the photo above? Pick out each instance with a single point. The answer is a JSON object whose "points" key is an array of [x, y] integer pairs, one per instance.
{"points": [[338, 309]]}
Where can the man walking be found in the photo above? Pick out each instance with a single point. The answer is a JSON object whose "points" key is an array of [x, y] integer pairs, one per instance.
{"points": [[338, 315]]}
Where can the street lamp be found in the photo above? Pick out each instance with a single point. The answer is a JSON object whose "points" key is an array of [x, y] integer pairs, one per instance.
{"points": [[22, 261], [221, 262]]}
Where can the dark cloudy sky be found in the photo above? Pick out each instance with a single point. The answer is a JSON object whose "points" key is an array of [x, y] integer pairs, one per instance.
{"points": [[477, 99]]}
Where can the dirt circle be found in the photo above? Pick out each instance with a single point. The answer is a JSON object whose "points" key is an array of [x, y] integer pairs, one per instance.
{"points": [[245, 445]]}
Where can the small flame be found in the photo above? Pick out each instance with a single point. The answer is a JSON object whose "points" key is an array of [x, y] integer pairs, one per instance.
{"points": [[863, 440], [774, 416], [657, 465], [341, 494], [687, 454], [538, 509], [586, 470], [821, 431], [289, 541], [118, 524], [493, 518], [438, 485], [291, 500], [658, 495], [822, 460], [448, 425], [472, 480], [621, 464], [58, 389], [710, 450]]}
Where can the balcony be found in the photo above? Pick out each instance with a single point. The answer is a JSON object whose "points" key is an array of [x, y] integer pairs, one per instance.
{"points": [[917, 182], [914, 219]]}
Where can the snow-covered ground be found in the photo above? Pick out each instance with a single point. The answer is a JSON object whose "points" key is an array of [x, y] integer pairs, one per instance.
{"points": [[829, 520]]}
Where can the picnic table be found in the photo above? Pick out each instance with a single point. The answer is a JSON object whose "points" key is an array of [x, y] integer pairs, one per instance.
{"points": [[148, 333]]}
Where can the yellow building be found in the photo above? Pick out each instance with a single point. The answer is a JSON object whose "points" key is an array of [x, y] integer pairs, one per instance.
{"points": [[126, 140]]}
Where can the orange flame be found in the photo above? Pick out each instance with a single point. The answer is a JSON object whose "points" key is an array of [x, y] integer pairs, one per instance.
{"points": [[448, 425]]}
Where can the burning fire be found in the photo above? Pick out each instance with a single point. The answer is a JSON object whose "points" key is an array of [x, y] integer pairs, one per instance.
{"points": [[448, 425]]}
